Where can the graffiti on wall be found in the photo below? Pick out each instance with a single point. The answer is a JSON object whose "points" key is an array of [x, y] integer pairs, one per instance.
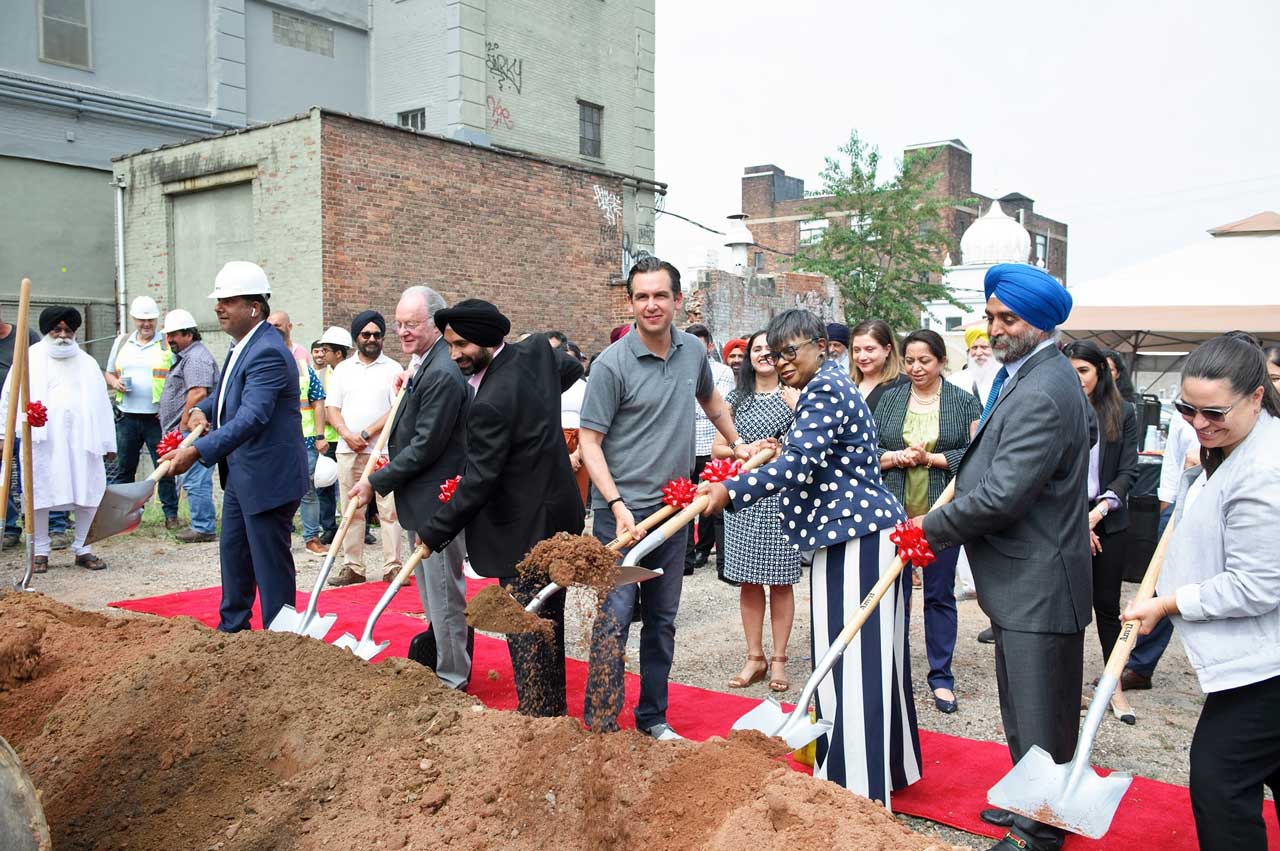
{"points": [[813, 301], [507, 70], [499, 115], [610, 204]]}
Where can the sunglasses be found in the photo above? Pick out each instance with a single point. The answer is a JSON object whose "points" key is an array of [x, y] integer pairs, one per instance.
{"points": [[370, 335], [1212, 414], [789, 353]]}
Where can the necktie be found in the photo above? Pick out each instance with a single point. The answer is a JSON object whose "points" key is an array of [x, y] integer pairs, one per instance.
{"points": [[994, 394]]}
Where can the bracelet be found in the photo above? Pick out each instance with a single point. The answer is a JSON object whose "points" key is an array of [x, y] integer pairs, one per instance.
{"points": [[610, 503]]}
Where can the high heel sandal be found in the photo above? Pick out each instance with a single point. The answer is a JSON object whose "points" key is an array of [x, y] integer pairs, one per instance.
{"points": [[779, 683], [739, 682]]}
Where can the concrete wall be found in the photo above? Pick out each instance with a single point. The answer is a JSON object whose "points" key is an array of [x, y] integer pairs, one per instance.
{"points": [[281, 164], [733, 305], [285, 80], [409, 69]]}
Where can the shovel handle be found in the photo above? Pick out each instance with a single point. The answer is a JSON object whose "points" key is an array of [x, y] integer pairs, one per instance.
{"points": [[11, 412], [1129, 629], [626, 538], [163, 467], [699, 504], [419, 553]]}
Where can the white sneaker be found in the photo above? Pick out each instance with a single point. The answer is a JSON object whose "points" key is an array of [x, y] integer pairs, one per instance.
{"points": [[664, 733]]}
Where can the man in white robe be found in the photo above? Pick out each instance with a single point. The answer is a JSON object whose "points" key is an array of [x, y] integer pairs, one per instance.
{"points": [[67, 452]]}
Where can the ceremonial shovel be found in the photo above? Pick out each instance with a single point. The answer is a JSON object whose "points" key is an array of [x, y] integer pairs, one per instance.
{"points": [[308, 623], [1073, 796], [631, 571], [19, 389], [796, 729], [122, 505], [366, 648]]}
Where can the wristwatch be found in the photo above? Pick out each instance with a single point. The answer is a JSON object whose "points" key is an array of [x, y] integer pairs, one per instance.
{"points": [[364, 435]]}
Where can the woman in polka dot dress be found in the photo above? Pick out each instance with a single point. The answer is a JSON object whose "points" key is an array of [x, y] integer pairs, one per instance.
{"points": [[832, 501]]}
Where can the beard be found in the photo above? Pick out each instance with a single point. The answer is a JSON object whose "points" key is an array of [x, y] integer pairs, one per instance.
{"points": [[1008, 348], [481, 361], [60, 347], [981, 372], [371, 349]]}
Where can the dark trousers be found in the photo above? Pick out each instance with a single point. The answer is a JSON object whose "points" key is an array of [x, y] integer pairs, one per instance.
{"points": [[940, 617], [328, 498], [133, 431], [1039, 676], [1234, 753], [1108, 575], [255, 553], [538, 663], [700, 551], [1147, 652]]}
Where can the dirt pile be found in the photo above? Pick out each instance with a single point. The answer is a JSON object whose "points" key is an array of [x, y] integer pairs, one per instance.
{"points": [[573, 560], [493, 609], [148, 734]]}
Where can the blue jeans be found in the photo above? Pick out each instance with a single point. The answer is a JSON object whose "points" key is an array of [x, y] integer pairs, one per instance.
{"points": [[311, 527], [1147, 652], [659, 602], [133, 431], [13, 514], [328, 496], [198, 483]]}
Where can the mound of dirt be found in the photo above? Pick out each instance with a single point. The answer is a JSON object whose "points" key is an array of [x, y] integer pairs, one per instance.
{"points": [[493, 609], [573, 560], [150, 734]]}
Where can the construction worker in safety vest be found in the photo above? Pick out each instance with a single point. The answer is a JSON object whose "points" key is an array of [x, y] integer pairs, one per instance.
{"points": [[337, 345], [311, 403], [139, 365]]}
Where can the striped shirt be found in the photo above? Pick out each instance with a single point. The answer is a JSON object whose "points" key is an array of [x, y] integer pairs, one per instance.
{"points": [[194, 367]]}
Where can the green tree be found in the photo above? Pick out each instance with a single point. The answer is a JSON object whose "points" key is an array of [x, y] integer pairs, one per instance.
{"points": [[884, 243]]}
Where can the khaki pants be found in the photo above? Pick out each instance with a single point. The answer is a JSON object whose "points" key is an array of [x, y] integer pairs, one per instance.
{"points": [[350, 466]]}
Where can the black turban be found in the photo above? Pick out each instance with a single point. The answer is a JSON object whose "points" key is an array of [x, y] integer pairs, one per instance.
{"points": [[51, 316], [475, 321], [363, 319]]}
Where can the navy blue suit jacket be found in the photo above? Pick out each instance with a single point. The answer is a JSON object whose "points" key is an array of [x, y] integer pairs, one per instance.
{"points": [[259, 449]]}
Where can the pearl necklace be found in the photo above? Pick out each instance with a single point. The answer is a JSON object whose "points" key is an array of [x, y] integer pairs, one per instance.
{"points": [[926, 403]]}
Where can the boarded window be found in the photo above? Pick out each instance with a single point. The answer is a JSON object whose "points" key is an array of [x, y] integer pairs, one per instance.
{"points": [[210, 227], [293, 31], [414, 119], [590, 119], [65, 33]]}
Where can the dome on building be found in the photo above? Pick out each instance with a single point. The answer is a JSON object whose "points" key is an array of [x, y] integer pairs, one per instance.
{"points": [[995, 238]]}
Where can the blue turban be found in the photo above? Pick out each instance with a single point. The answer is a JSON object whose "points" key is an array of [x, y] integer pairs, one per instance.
{"points": [[1029, 292]]}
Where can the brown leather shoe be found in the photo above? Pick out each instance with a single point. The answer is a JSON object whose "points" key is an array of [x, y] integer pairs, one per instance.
{"points": [[89, 561], [316, 548], [172, 523], [191, 536], [1131, 680], [346, 576], [390, 572], [39, 564]]}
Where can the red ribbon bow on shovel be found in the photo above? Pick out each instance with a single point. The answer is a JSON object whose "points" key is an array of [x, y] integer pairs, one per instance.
{"points": [[447, 489], [721, 469], [384, 461], [912, 546], [37, 414], [168, 443], [679, 492]]}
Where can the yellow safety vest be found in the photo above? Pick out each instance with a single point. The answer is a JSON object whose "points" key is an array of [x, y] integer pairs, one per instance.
{"points": [[304, 399], [161, 361]]}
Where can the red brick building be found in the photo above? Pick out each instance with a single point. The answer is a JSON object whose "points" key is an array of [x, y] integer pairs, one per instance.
{"points": [[781, 217]]}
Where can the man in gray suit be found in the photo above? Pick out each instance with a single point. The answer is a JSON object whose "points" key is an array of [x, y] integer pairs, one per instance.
{"points": [[427, 447], [1020, 510]]}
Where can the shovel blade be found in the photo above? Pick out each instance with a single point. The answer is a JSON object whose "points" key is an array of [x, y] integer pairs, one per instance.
{"points": [[120, 510], [767, 718], [794, 729], [366, 650], [1039, 789], [635, 573], [290, 619]]}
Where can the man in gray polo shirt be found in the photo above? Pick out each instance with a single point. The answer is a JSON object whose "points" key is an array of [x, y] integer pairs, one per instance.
{"points": [[637, 435]]}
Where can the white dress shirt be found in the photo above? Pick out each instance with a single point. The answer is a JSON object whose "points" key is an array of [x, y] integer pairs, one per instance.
{"points": [[236, 348]]}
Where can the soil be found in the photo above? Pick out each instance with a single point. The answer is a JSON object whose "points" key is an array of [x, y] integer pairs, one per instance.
{"points": [[151, 734], [493, 609], [573, 560]]}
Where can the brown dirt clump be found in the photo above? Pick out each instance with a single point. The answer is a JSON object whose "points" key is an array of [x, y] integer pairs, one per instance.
{"points": [[493, 609], [152, 734], [573, 560], [19, 653]]}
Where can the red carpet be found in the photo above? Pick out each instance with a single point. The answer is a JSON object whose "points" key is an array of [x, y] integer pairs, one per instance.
{"points": [[957, 772]]}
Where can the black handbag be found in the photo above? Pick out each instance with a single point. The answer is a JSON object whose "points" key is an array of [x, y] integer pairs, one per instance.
{"points": [[422, 647]]}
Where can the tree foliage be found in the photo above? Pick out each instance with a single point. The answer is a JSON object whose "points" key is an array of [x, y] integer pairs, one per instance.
{"points": [[884, 242]]}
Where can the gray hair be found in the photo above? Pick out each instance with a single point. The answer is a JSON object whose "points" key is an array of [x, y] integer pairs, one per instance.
{"points": [[790, 324], [433, 301]]}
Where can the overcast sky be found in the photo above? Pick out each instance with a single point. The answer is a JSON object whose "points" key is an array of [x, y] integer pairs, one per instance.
{"points": [[1139, 124]]}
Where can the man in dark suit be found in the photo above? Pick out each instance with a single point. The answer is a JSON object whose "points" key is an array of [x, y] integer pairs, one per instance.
{"points": [[517, 488], [1020, 510], [427, 446], [254, 436]]}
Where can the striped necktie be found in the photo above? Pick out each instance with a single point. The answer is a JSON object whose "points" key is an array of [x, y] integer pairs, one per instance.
{"points": [[994, 394]]}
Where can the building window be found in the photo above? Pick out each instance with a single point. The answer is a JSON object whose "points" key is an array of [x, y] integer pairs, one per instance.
{"points": [[414, 119], [65, 33], [1042, 249], [954, 322], [590, 119], [757, 260], [812, 230], [293, 31]]}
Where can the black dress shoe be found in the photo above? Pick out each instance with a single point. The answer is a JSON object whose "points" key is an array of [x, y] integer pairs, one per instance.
{"points": [[997, 816], [987, 636], [1131, 680], [947, 707], [369, 539]]}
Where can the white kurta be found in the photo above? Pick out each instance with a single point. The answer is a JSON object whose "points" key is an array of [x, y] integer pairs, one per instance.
{"points": [[68, 468]]}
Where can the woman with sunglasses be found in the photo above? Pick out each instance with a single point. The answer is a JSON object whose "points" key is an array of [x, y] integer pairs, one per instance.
{"points": [[1221, 584], [832, 502], [1113, 469]]}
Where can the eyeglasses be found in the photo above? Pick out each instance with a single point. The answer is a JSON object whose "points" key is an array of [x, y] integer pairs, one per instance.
{"points": [[370, 335], [789, 353], [1212, 414], [409, 326]]}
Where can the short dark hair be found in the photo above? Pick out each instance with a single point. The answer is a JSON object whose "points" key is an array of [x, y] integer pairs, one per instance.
{"points": [[336, 349], [195, 334], [558, 335], [1273, 354], [701, 331], [316, 344], [654, 264], [930, 338], [793, 323]]}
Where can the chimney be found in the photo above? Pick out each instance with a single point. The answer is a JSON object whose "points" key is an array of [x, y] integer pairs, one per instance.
{"points": [[738, 240]]}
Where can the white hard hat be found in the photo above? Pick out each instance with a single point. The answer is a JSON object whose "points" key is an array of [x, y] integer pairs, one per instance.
{"points": [[177, 320], [240, 277], [326, 471], [335, 336], [144, 307]]}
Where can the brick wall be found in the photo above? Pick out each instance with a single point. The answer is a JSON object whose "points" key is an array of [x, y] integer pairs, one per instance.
{"points": [[734, 305], [535, 238]]}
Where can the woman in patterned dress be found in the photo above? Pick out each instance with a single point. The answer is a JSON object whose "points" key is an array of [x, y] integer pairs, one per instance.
{"points": [[754, 551], [832, 501]]}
